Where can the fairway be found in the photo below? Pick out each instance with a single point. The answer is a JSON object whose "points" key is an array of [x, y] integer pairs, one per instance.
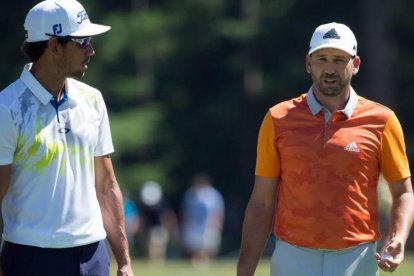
{"points": [[223, 267], [227, 267]]}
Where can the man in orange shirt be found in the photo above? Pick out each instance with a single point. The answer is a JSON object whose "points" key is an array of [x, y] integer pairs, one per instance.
{"points": [[319, 158]]}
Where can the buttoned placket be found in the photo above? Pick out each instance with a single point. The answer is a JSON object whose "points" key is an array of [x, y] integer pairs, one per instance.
{"points": [[327, 115], [60, 117]]}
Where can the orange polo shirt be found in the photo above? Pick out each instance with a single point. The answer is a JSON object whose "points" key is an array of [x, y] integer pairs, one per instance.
{"points": [[328, 169]]}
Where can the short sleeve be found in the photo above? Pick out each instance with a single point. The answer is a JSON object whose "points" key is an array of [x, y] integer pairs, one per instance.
{"points": [[104, 145], [8, 137], [267, 160], [394, 162]]}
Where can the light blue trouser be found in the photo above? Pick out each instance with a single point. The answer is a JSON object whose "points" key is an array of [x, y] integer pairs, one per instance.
{"points": [[289, 260]]}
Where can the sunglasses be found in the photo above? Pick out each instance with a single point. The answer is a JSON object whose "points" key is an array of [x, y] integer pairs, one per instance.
{"points": [[82, 42]]}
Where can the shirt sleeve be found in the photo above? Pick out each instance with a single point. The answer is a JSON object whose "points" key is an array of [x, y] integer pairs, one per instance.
{"points": [[394, 162], [8, 137], [267, 160], [104, 145]]}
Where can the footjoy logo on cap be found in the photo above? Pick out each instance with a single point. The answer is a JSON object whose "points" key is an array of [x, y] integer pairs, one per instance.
{"points": [[65, 18], [57, 29], [332, 34]]}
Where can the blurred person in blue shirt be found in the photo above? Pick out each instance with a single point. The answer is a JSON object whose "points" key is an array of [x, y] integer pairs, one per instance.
{"points": [[132, 221], [202, 213]]}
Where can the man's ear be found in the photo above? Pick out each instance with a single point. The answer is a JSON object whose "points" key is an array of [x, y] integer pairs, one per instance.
{"points": [[308, 63], [356, 64], [54, 46]]}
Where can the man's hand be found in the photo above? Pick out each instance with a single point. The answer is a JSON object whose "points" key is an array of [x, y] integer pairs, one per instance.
{"points": [[125, 271], [392, 256]]}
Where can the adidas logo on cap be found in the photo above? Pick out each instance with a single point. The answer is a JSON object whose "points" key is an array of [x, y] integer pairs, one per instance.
{"points": [[333, 35]]}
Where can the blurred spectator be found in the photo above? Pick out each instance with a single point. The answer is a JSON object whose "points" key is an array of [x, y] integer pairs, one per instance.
{"points": [[132, 221], [202, 220], [159, 221]]}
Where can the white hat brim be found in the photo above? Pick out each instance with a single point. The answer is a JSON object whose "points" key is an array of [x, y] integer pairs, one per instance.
{"points": [[91, 30], [334, 46]]}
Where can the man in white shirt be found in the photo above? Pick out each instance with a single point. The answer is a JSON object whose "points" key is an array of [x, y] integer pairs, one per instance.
{"points": [[60, 197]]}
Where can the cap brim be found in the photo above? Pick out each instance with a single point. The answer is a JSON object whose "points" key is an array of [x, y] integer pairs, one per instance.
{"points": [[91, 30], [334, 46]]}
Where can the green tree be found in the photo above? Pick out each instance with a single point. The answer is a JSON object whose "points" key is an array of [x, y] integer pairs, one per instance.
{"points": [[188, 82]]}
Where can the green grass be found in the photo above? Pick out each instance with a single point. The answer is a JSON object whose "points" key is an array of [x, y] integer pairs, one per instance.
{"points": [[227, 267]]}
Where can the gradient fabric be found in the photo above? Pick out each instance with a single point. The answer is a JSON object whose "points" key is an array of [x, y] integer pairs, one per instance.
{"points": [[51, 201], [328, 170]]}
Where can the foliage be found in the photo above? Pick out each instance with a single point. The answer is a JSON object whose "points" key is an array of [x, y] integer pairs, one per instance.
{"points": [[187, 82]]}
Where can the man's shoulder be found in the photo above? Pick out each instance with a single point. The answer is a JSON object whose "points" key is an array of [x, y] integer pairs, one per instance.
{"points": [[81, 86], [371, 112], [9, 94], [297, 104], [366, 107]]}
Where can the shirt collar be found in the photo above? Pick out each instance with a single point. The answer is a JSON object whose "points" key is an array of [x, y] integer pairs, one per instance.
{"points": [[36, 87], [315, 107]]}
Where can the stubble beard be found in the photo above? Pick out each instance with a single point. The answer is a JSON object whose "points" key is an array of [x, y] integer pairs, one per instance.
{"points": [[75, 74], [78, 75], [332, 91]]}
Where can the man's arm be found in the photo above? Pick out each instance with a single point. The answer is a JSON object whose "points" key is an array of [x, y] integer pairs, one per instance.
{"points": [[401, 219], [111, 203], [257, 224], [5, 173]]}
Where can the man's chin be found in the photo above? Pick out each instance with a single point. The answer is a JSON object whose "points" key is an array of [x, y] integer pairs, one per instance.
{"points": [[330, 91], [78, 75]]}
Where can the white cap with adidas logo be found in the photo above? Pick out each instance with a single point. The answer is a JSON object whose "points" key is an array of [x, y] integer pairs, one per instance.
{"points": [[333, 35]]}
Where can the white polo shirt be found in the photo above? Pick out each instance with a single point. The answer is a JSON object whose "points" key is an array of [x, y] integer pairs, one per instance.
{"points": [[51, 201]]}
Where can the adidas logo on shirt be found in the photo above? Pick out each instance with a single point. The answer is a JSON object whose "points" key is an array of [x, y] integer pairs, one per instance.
{"points": [[352, 147]]}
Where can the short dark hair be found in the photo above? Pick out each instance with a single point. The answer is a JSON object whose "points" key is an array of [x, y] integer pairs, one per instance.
{"points": [[34, 50]]}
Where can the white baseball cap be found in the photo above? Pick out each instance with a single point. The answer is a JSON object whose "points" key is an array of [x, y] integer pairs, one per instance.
{"points": [[59, 18], [333, 35]]}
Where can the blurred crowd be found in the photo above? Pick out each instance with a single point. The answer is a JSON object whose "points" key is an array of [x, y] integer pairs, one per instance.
{"points": [[157, 231]]}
